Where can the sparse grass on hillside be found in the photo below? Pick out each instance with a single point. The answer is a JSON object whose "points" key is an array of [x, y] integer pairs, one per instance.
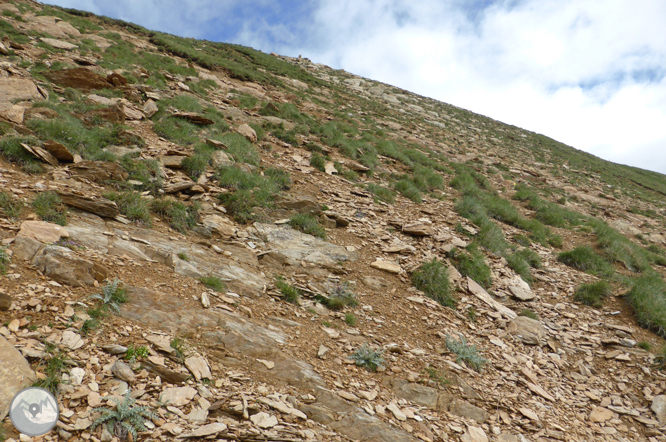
{"points": [[147, 171], [10, 206], [49, 207], [178, 215], [247, 190], [368, 357], [341, 297], [432, 279], [132, 205], [309, 224], [212, 282], [584, 258], [289, 293], [473, 264], [593, 294], [647, 299]]}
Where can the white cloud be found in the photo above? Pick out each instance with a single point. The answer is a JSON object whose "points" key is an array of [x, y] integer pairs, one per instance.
{"points": [[587, 73]]}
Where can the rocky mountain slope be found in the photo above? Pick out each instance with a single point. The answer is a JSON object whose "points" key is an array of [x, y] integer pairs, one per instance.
{"points": [[261, 248]]}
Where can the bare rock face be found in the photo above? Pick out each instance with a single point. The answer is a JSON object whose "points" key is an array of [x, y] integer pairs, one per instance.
{"points": [[78, 78], [15, 375], [63, 266]]}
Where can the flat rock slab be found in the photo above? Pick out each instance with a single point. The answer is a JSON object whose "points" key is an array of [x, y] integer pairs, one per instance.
{"points": [[12, 88], [97, 205], [99, 171], [59, 44], [15, 375], [387, 266], [528, 330], [520, 289], [293, 247], [42, 231], [78, 78]]}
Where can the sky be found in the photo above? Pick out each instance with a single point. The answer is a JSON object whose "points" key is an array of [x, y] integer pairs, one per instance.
{"points": [[588, 73]]}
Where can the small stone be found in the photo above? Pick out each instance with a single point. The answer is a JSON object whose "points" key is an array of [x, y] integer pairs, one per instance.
{"points": [[76, 375], [178, 396], [393, 408], [600, 414], [269, 364], [659, 408], [13, 325], [322, 351], [387, 266], [5, 302], [122, 371], [347, 395], [264, 420], [474, 434], [198, 366]]}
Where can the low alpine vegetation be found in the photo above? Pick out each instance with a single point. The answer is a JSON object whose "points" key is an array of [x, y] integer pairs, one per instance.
{"points": [[211, 281], [4, 260], [465, 352], [309, 224], [49, 207], [10, 206], [132, 205], [593, 294], [127, 419], [368, 357], [586, 259], [112, 296], [432, 279], [289, 293], [340, 297], [179, 216]]}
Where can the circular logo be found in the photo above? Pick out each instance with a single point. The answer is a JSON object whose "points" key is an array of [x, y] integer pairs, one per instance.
{"points": [[34, 411]]}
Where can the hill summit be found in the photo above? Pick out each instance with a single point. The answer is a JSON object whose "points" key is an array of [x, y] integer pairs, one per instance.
{"points": [[204, 241]]}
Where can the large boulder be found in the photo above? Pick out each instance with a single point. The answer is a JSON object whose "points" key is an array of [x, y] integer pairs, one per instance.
{"points": [[63, 266], [78, 78], [18, 89], [15, 375]]}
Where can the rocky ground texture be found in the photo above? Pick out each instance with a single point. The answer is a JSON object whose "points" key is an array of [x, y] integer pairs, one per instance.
{"points": [[239, 363]]}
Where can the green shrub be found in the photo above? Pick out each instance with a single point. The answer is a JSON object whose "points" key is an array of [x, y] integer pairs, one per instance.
{"points": [[183, 256], [132, 205], [350, 319], [133, 353], [647, 299], [593, 294], [146, 171], [309, 224], [212, 282], [179, 216], [382, 193], [10, 206], [473, 265], [290, 293], [195, 165], [340, 297], [49, 207], [318, 162], [366, 356], [465, 353], [645, 345], [585, 259], [55, 366], [408, 190], [432, 279]]}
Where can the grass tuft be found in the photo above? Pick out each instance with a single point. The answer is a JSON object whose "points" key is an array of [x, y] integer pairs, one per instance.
{"points": [[212, 282], [309, 224], [593, 294], [49, 207], [584, 258], [10, 206], [289, 293], [432, 279], [179, 216]]}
